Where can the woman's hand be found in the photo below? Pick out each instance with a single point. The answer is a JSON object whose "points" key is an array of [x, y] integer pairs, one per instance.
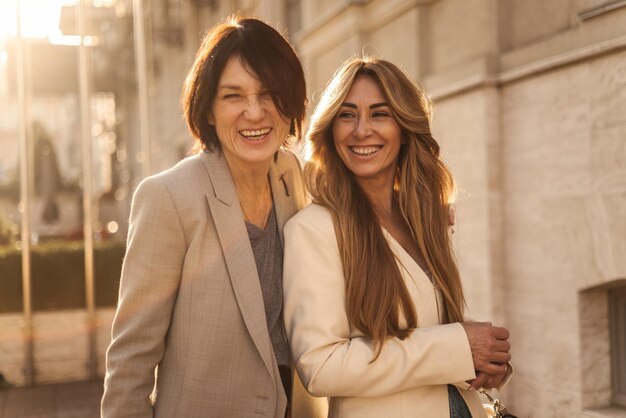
{"points": [[490, 352], [487, 381]]}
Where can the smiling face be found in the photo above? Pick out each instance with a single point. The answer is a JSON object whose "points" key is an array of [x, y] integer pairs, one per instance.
{"points": [[366, 135], [249, 127]]}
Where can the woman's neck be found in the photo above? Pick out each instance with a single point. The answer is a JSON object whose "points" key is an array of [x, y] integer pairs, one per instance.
{"points": [[250, 182], [254, 192], [248, 177], [381, 196]]}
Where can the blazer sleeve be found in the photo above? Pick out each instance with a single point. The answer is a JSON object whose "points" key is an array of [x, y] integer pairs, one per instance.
{"points": [[332, 363], [149, 285]]}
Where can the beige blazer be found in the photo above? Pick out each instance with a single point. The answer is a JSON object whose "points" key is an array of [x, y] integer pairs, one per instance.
{"points": [[333, 359], [190, 301]]}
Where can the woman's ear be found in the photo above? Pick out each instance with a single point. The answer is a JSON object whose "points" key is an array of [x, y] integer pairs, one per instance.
{"points": [[451, 215], [451, 218]]}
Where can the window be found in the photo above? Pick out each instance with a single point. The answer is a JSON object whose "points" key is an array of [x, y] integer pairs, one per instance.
{"points": [[618, 344], [602, 321]]}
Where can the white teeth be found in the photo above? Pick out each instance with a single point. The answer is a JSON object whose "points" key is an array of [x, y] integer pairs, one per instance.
{"points": [[255, 132], [365, 151]]}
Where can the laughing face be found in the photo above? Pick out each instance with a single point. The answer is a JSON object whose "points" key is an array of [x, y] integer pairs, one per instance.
{"points": [[249, 127], [366, 135]]}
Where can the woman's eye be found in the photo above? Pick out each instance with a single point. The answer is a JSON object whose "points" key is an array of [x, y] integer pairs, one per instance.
{"points": [[380, 114], [345, 115], [231, 96], [266, 97]]}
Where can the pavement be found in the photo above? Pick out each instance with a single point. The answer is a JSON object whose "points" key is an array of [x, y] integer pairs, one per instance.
{"points": [[63, 400]]}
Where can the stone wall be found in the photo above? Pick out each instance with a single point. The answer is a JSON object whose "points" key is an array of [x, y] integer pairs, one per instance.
{"points": [[564, 160]]}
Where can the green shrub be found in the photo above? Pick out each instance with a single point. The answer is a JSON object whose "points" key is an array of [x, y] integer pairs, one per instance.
{"points": [[7, 235], [58, 275]]}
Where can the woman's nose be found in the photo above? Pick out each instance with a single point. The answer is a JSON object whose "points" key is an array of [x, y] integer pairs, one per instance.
{"points": [[363, 128], [254, 110]]}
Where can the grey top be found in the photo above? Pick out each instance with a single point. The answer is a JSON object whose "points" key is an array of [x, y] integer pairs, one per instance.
{"points": [[268, 254]]}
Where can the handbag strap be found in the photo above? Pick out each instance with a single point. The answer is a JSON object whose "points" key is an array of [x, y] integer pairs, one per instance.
{"points": [[498, 407]]}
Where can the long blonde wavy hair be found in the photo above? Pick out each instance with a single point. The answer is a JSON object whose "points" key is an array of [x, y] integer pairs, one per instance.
{"points": [[376, 295]]}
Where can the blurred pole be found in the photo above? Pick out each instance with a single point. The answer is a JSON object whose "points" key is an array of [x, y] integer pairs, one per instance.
{"points": [[142, 85], [25, 164], [85, 131]]}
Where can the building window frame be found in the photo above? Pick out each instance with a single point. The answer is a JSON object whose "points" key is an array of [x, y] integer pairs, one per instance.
{"points": [[617, 302]]}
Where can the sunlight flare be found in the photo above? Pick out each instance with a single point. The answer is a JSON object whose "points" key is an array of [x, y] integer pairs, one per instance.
{"points": [[39, 18]]}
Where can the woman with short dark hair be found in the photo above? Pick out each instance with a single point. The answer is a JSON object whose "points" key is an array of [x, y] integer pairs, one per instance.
{"points": [[201, 288], [266, 53]]}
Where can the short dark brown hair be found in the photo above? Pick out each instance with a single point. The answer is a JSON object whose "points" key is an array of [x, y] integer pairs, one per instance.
{"points": [[263, 50]]}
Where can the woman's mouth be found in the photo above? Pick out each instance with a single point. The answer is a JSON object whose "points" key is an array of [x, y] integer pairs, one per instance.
{"points": [[365, 151], [255, 134]]}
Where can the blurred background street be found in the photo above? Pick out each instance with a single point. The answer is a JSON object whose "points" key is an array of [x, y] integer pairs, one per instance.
{"points": [[62, 400]]}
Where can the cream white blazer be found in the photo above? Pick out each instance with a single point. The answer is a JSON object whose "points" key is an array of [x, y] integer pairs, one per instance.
{"points": [[333, 359]]}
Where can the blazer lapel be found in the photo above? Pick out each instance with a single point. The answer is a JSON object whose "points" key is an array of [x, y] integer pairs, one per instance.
{"points": [[283, 192], [233, 236]]}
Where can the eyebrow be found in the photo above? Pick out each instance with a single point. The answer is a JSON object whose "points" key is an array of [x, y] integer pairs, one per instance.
{"points": [[229, 86], [236, 87], [372, 106]]}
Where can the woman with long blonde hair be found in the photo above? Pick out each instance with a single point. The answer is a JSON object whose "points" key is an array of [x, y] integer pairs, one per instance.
{"points": [[373, 298]]}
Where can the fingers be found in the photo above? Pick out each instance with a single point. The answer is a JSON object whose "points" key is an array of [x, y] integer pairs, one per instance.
{"points": [[494, 369], [501, 357], [502, 345], [500, 333], [489, 347], [486, 381], [480, 381]]}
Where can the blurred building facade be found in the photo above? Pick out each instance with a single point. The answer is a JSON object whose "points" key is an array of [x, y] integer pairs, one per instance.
{"points": [[530, 111]]}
